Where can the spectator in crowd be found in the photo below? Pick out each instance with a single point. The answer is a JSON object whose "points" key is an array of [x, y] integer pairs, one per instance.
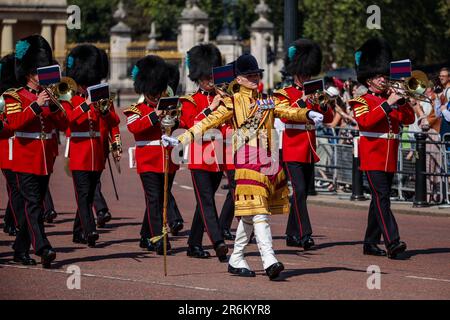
{"points": [[442, 108]]}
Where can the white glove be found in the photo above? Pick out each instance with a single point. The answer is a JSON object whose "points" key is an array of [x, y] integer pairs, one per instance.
{"points": [[169, 141], [316, 117]]}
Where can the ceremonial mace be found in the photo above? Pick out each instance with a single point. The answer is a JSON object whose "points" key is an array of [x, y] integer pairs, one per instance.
{"points": [[167, 123]]}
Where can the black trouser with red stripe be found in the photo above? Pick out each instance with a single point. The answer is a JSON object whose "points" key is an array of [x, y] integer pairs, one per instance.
{"points": [[205, 217], [31, 219], [300, 175], [85, 183], [227, 213], [153, 184], [381, 219], [15, 202]]}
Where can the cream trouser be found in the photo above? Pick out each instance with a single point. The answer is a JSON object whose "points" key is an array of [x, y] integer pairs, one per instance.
{"points": [[260, 225]]}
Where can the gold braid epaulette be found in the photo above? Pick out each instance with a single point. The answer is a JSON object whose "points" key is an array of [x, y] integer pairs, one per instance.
{"points": [[13, 94], [358, 100], [282, 92], [190, 99], [133, 109]]}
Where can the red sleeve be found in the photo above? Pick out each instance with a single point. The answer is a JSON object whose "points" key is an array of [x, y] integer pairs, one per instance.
{"points": [[405, 114], [328, 115], [137, 124], [114, 130], [19, 116], [80, 107], [188, 114], [59, 119], [5, 130]]}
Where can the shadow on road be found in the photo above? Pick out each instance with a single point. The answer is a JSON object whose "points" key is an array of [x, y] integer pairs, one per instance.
{"points": [[130, 255], [290, 273], [411, 253]]}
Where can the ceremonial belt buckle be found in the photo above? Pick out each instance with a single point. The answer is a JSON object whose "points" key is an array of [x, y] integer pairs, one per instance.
{"points": [[92, 133], [391, 136], [43, 136], [309, 127]]}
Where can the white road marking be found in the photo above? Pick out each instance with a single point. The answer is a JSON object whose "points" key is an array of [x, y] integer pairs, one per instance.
{"points": [[430, 279], [88, 275]]}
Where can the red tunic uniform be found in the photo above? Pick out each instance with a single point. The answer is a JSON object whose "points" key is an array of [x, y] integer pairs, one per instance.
{"points": [[86, 151], [143, 123], [34, 127], [379, 131], [205, 154], [109, 133], [299, 139]]}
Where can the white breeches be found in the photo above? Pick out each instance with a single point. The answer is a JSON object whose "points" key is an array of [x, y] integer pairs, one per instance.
{"points": [[258, 224]]}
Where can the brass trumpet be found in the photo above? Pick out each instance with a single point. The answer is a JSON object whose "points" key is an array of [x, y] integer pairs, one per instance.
{"points": [[413, 87], [62, 91], [104, 105]]}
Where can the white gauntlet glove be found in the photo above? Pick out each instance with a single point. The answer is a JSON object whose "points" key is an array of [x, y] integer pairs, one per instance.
{"points": [[316, 117], [169, 141]]}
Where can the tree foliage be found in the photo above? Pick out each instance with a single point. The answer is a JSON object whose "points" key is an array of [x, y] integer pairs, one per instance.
{"points": [[416, 29]]}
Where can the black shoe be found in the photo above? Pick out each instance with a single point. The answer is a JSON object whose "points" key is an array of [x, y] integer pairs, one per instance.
{"points": [[227, 235], [50, 216], [221, 251], [145, 243], [159, 247], [274, 270], [293, 241], [79, 238], [10, 230], [24, 259], [176, 227], [307, 242], [198, 252], [241, 272], [47, 257], [373, 250], [395, 248], [92, 238], [102, 218]]}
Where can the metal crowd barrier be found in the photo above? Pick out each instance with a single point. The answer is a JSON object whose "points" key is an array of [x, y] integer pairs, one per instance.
{"points": [[423, 166]]}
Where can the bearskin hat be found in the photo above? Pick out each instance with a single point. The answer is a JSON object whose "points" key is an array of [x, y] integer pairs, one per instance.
{"points": [[304, 58], [201, 59], [174, 77], [7, 76], [105, 64], [85, 64], [373, 58], [32, 52], [150, 75]]}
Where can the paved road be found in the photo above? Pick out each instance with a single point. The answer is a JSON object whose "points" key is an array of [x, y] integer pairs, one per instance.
{"points": [[119, 269]]}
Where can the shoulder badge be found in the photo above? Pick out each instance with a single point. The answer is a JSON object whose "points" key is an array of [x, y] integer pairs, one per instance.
{"points": [[189, 98], [361, 104], [14, 106], [133, 109], [282, 92]]}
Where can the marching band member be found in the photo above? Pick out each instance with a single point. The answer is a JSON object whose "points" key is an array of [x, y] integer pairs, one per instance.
{"points": [[379, 114], [261, 188], [205, 168], [33, 119], [304, 60], [15, 204], [151, 76], [112, 143], [86, 149]]}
